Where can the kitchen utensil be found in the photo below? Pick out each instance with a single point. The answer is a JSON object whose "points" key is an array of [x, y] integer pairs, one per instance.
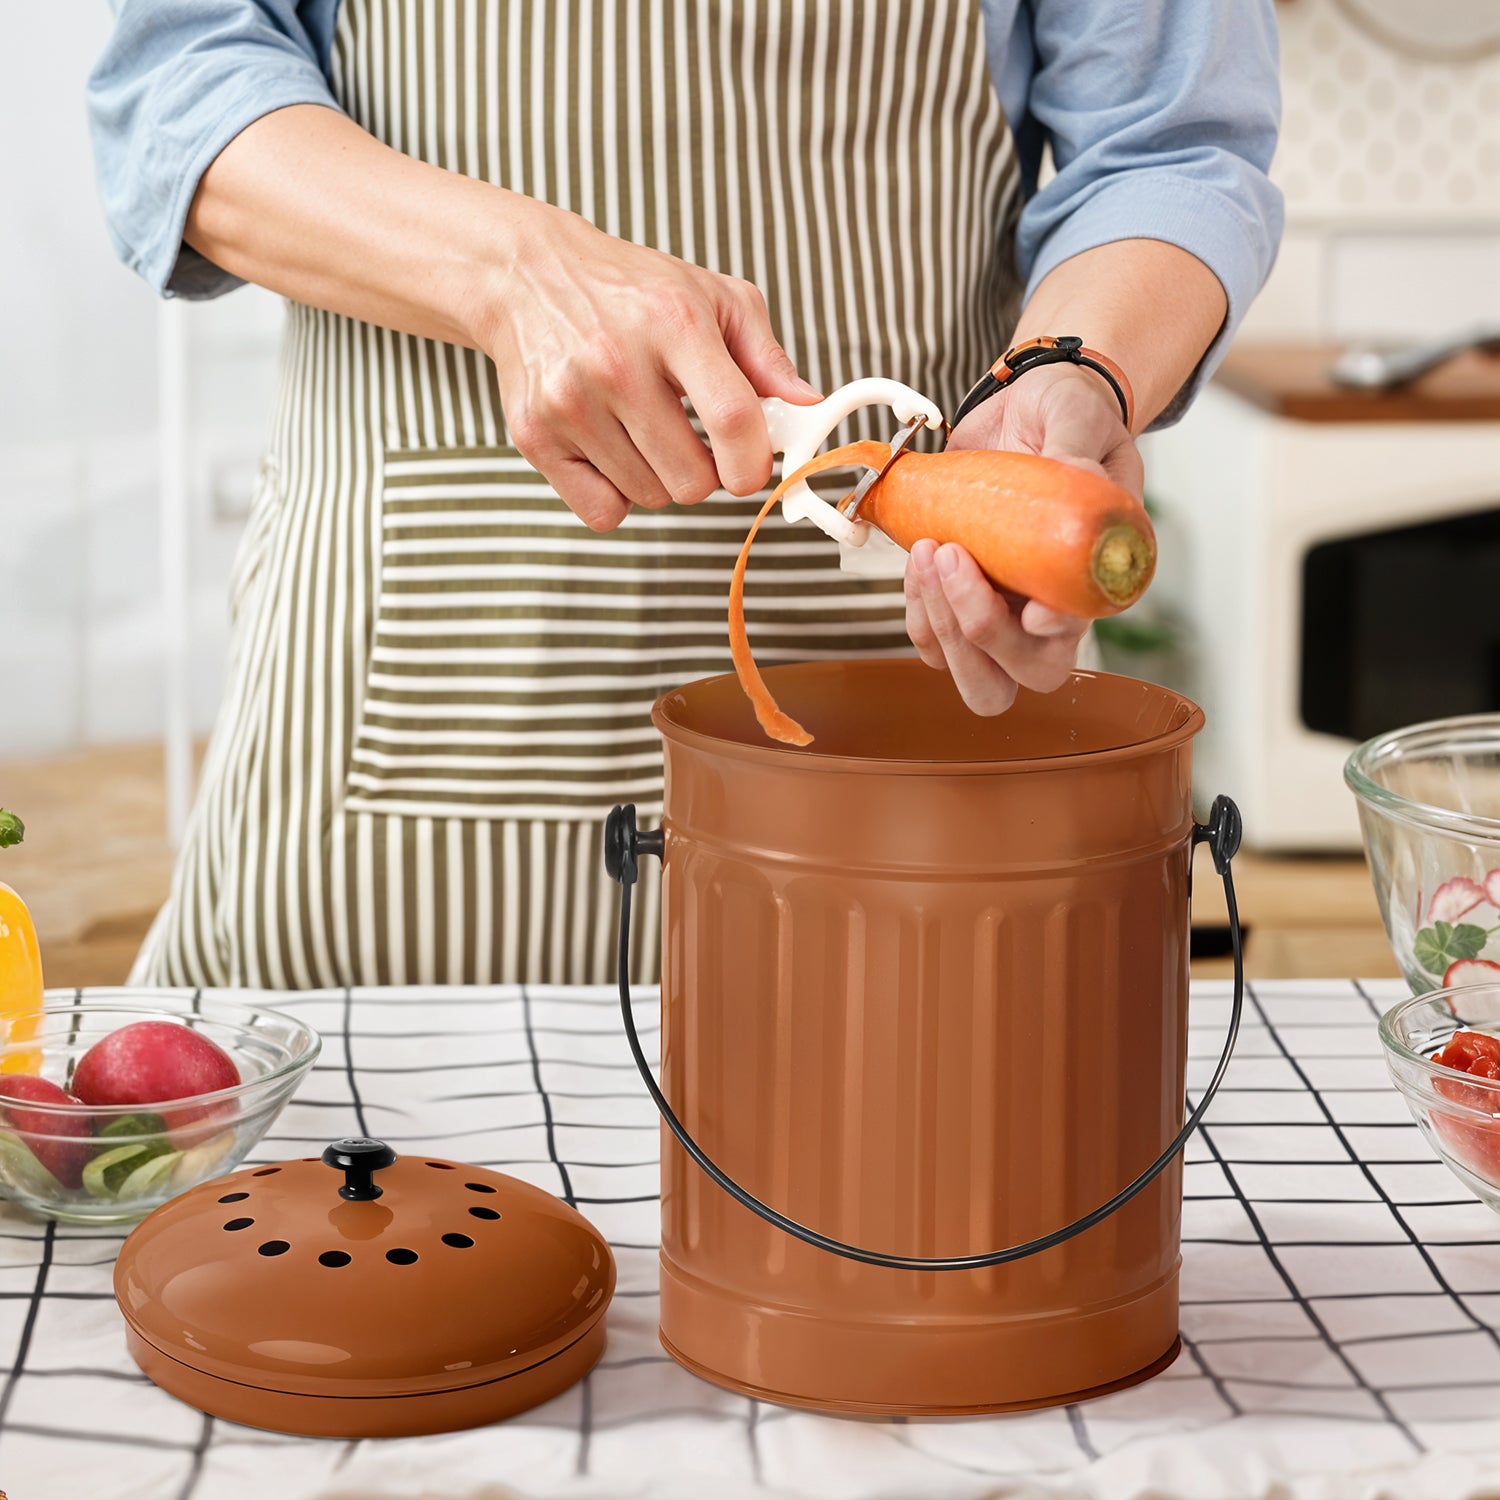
{"points": [[924, 994], [849, 508], [798, 432], [365, 1294], [1385, 369], [1458, 1113], [1429, 810], [117, 1162]]}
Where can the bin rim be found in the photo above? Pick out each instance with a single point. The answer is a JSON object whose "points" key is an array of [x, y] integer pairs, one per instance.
{"points": [[808, 758]]}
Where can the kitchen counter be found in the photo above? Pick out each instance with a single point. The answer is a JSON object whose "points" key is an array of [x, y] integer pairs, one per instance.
{"points": [[1340, 1316]]}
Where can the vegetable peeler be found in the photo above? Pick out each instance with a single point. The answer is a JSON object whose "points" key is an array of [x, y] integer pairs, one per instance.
{"points": [[798, 432]]}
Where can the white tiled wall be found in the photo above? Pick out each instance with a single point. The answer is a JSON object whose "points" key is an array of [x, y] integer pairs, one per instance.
{"points": [[1391, 168]]}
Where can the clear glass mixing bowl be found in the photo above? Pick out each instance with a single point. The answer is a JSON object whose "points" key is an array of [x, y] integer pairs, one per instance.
{"points": [[1458, 1112], [102, 1164], [1429, 806]]}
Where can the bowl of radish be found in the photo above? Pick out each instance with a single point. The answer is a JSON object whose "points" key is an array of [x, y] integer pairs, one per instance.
{"points": [[109, 1107], [1429, 809]]}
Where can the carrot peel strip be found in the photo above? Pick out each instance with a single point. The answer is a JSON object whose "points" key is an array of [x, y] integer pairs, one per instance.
{"points": [[781, 726]]}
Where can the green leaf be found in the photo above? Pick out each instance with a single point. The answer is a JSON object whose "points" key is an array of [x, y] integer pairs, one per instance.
{"points": [[1438, 946], [12, 829], [1427, 948], [1467, 941]]}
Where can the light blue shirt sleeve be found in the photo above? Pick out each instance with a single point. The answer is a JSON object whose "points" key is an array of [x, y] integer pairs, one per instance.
{"points": [[1162, 116], [177, 81]]}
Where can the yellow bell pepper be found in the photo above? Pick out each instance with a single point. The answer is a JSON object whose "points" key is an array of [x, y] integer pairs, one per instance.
{"points": [[20, 965]]}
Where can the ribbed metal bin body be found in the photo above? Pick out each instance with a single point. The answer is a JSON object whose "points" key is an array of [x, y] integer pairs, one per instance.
{"points": [[925, 990]]}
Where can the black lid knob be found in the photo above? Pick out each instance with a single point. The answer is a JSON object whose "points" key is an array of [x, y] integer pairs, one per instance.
{"points": [[359, 1159]]}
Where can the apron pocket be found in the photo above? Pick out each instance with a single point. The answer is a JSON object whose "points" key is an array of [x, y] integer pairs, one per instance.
{"points": [[514, 659]]}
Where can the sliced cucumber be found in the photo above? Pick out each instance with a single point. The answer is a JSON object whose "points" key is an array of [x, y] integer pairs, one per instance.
{"points": [[147, 1177], [94, 1181], [103, 1175], [198, 1162], [20, 1169], [134, 1126]]}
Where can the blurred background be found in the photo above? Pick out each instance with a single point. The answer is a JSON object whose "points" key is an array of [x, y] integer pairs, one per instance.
{"points": [[1304, 525]]}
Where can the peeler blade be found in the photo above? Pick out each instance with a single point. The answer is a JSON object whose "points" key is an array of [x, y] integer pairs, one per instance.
{"points": [[903, 437]]}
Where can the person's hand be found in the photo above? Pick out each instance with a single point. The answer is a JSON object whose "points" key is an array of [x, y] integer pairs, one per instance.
{"points": [[596, 341], [991, 640]]}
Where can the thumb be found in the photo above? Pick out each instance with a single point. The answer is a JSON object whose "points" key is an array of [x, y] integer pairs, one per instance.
{"points": [[1075, 437], [754, 347], [1066, 455]]}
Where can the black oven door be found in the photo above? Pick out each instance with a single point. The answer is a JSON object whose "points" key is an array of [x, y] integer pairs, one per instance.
{"points": [[1401, 626]]}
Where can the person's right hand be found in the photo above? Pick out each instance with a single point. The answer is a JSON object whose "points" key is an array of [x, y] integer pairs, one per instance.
{"points": [[597, 340]]}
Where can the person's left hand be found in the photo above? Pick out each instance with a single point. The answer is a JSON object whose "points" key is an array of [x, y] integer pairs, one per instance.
{"points": [[994, 641]]}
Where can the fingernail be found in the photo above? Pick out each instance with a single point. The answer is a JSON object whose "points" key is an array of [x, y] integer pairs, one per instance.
{"points": [[922, 554], [947, 562]]}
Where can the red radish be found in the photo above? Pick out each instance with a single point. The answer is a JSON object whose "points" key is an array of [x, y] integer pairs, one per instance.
{"points": [[40, 1129], [1470, 971], [156, 1062], [1454, 899]]}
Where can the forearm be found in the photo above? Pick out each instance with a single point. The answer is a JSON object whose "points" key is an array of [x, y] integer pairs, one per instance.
{"points": [[1151, 307], [307, 203], [595, 341]]}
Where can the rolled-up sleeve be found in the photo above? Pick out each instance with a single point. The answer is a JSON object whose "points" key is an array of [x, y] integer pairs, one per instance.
{"points": [[178, 80], [1162, 117]]}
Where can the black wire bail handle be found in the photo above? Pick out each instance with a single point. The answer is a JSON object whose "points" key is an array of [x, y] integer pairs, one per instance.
{"points": [[623, 846]]}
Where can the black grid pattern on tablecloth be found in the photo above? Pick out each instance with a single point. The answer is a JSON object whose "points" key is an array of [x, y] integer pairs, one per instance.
{"points": [[1336, 1277]]}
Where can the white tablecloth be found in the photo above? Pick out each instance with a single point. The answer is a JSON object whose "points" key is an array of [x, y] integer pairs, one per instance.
{"points": [[1340, 1318]]}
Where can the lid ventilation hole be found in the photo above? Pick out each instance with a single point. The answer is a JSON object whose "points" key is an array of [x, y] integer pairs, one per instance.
{"points": [[458, 1241], [274, 1247], [239, 1223], [401, 1257], [484, 1213], [479, 1187], [233, 1197], [441, 1166], [334, 1258], [265, 1171]]}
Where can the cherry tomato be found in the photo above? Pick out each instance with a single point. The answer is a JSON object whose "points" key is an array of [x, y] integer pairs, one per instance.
{"points": [[1474, 1142]]}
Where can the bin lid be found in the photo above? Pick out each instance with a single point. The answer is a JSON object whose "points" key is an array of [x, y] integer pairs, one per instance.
{"points": [[363, 1274]]}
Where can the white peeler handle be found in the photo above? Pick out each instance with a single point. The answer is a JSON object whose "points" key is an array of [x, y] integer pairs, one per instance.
{"points": [[797, 432]]}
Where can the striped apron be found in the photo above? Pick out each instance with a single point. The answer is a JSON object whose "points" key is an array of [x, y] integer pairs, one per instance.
{"points": [[440, 679]]}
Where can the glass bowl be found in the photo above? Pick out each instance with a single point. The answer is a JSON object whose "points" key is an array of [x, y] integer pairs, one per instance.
{"points": [[1429, 808], [103, 1164], [1458, 1112]]}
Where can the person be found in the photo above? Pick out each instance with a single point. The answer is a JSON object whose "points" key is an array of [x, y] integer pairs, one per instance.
{"points": [[541, 260]]}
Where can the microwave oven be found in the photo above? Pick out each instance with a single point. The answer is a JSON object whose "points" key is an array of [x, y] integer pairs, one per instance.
{"points": [[1330, 560]]}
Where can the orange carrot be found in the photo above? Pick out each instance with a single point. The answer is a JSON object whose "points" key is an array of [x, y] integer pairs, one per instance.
{"points": [[778, 725], [1069, 537], [1049, 530]]}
